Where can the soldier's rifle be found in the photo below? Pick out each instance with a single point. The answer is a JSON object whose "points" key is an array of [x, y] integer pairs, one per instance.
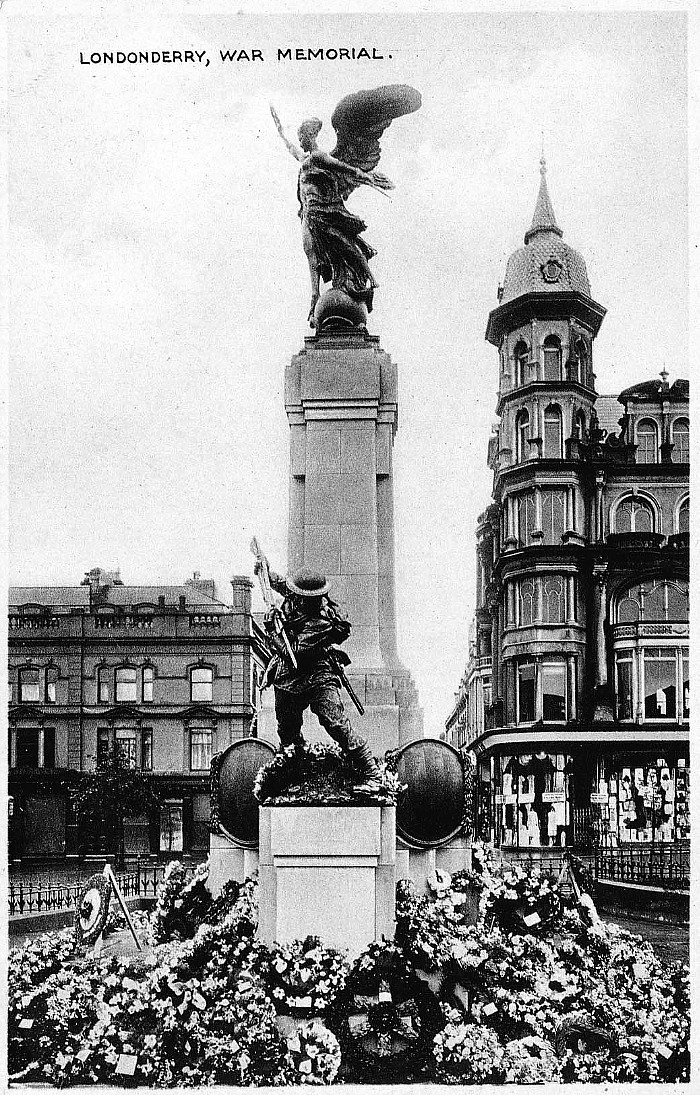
{"points": [[273, 610]]}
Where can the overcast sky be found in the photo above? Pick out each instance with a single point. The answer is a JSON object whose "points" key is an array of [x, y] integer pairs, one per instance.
{"points": [[159, 286]]}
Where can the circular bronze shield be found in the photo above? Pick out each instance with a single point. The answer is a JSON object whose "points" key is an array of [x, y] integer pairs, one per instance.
{"points": [[431, 811], [238, 809]]}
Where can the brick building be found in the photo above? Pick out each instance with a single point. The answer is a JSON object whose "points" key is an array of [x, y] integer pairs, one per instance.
{"points": [[575, 699], [165, 675]]}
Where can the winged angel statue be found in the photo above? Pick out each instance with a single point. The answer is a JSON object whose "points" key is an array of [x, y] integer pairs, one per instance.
{"points": [[331, 235]]}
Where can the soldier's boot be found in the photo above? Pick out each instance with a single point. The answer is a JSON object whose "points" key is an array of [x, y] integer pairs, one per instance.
{"points": [[367, 777]]}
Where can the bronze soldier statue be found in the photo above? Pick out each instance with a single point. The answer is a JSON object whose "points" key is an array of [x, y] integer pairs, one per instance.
{"points": [[312, 629]]}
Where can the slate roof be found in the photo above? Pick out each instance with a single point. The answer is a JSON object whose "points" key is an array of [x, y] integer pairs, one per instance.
{"points": [[543, 243], [648, 390], [51, 596], [76, 596]]}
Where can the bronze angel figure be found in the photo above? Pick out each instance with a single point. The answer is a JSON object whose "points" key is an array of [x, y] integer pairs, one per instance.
{"points": [[331, 235]]}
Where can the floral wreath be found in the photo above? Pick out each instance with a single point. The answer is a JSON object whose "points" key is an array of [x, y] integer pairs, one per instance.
{"points": [[304, 976], [325, 770], [313, 1054], [387, 1017]]}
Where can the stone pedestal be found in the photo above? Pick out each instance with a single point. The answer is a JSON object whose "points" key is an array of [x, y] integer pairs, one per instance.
{"points": [[328, 871], [341, 396], [227, 861]]}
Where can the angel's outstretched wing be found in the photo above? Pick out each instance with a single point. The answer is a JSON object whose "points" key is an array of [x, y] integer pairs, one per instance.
{"points": [[360, 119]]}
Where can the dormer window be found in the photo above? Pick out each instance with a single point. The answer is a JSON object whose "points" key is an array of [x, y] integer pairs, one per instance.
{"points": [[647, 444], [681, 441], [551, 352]]}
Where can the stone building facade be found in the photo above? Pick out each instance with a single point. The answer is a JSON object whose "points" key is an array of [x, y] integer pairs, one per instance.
{"points": [[575, 699], [164, 675]]}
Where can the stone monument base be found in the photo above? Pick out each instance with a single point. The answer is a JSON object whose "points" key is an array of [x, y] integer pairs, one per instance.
{"points": [[328, 871]]}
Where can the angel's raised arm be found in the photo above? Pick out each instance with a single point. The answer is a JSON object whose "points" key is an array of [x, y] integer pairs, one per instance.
{"points": [[296, 152]]}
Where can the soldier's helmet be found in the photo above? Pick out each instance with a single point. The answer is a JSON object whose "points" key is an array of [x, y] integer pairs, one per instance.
{"points": [[308, 583]]}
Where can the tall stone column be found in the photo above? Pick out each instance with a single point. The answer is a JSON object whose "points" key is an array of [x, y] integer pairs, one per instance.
{"points": [[342, 404]]}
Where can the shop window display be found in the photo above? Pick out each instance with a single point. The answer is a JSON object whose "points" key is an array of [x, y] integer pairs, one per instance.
{"points": [[647, 802], [532, 800]]}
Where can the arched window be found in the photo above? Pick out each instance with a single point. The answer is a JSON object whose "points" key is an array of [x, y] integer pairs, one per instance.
{"points": [[522, 436], [521, 356], [659, 600], [634, 515], [526, 607], [553, 600], [684, 516], [647, 442], [582, 357], [551, 351], [202, 684], [580, 423], [552, 432], [681, 441], [553, 515]]}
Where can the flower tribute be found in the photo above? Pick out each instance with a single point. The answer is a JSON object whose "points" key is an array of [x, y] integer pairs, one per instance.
{"points": [[473, 990]]}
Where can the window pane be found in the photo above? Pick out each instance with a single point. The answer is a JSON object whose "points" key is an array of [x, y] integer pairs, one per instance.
{"points": [[147, 684], [553, 515], [553, 600], [684, 518], [51, 678], [625, 701], [171, 827], [554, 692], [659, 684], [103, 685], [147, 749], [646, 443], [126, 685], [642, 518], [201, 685], [552, 433], [681, 441], [676, 602], [29, 691], [686, 686], [527, 601], [200, 749], [552, 359], [526, 692], [126, 747]]}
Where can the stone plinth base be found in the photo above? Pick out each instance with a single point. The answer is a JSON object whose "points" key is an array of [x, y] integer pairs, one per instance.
{"points": [[228, 861], [328, 871]]}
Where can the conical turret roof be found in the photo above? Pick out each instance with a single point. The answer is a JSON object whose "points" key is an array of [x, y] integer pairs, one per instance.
{"points": [[543, 219], [545, 264]]}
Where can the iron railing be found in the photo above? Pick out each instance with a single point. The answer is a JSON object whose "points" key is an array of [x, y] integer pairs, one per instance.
{"points": [[665, 865], [34, 896]]}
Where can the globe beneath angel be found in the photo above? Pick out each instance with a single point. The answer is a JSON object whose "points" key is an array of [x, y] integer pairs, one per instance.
{"points": [[335, 249]]}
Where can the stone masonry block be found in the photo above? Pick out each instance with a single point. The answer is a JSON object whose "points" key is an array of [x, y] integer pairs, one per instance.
{"points": [[322, 550], [322, 447], [357, 500], [358, 449], [339, 379], [322, 499], [358, 550]]}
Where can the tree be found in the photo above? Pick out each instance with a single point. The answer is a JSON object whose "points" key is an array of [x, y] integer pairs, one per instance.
{"points": [[104, 798]]}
